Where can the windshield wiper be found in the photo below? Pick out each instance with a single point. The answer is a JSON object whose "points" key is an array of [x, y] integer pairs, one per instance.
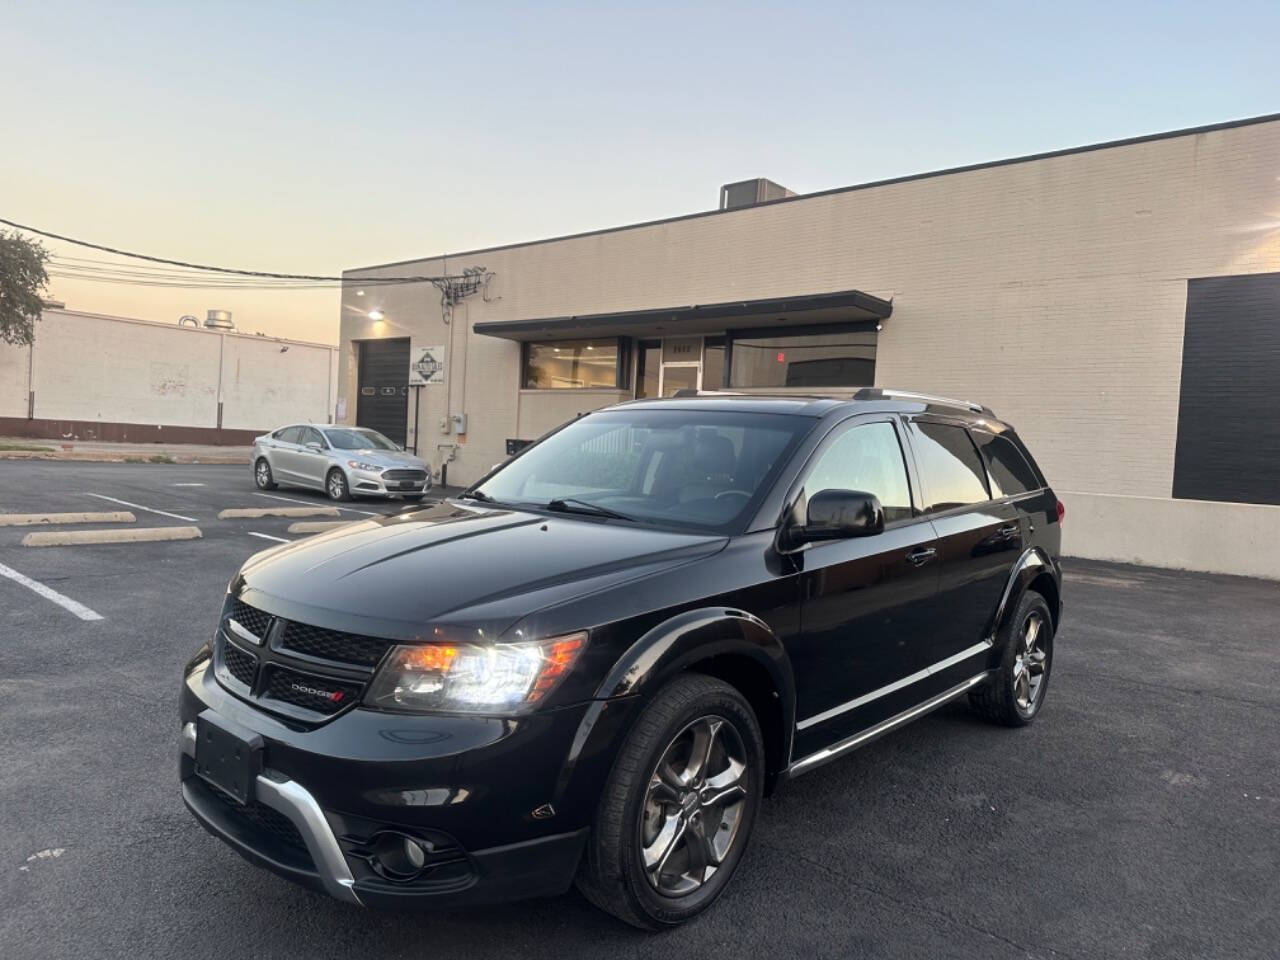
{"points": [[574, 505], [479, 495]]}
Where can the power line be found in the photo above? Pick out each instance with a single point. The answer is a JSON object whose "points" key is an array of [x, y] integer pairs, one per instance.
{"points": [[441, 281]]}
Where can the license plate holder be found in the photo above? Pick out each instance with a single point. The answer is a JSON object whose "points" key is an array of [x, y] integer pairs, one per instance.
{"points": [[228, 756], [406, 484]]}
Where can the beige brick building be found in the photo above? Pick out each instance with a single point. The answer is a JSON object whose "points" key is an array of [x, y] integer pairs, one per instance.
{"points": [[1113, 302]]}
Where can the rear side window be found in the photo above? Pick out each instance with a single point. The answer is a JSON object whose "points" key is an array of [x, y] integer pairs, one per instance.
{"points": [[953, 474], [289, 435], [1010, 471], [866, 458]]}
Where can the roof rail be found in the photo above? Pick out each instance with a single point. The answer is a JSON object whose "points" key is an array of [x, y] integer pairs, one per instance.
{"points": [[691, 392], [884, 393]]}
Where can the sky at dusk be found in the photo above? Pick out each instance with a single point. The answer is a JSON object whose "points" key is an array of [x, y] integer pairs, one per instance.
{"points": [[316, 137]]}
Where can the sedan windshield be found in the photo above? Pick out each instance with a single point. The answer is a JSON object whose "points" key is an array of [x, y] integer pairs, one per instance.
{"points": [[672, 467], [359, 440]]}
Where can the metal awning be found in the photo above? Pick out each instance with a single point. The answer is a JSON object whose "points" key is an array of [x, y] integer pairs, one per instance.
{"points": [[846, 306]]}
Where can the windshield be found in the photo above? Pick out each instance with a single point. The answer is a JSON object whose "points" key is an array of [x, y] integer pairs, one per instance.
{"points": [[676, 467], [358, 440]]}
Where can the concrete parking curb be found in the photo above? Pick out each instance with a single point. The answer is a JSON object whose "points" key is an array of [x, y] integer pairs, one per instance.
{"points": [[59, 538], [318, 526], [40, 519], [255, 513], [113, 457]]}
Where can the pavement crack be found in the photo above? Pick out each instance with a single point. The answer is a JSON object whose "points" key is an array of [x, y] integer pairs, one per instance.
{"points": [[907, 904], [1190, 691]]}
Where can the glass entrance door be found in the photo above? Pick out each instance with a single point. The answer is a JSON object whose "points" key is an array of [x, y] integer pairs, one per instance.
{"points": [[680, 376]]}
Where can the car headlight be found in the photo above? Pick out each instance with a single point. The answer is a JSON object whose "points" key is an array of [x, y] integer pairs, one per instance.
{"points": [[361, 465], [473, 678]]}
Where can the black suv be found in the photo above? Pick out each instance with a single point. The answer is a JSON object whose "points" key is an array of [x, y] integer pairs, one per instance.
{"points": [[594, 663]]}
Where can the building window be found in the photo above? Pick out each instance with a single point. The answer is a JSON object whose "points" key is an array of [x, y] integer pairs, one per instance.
{"points": [[836, 358], [574, 365]]}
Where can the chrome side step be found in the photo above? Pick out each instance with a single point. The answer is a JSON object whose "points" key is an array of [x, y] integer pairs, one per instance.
{"points": [[862, 738]]}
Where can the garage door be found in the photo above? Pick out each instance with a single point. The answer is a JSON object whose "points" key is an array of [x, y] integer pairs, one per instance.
{"points": [[383, 402]]}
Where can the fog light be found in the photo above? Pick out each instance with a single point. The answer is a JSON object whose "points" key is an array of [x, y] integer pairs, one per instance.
{"points": [[400, 857]]}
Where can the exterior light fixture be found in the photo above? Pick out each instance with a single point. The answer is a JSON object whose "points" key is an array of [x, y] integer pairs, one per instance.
{"points": [[359, 293], [376, 314]]}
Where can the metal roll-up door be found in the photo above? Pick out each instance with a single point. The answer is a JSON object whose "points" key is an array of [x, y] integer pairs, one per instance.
{"points": [[383, 396]]}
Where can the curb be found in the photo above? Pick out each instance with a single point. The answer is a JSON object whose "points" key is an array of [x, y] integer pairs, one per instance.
{"points": [[34, 519], [254, 513], [59, 538], [318, 526]]}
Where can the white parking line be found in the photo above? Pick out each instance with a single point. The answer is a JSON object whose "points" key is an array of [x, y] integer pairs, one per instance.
{"points": [[267, 536], [138, 506], [79, 609], [312, 503], [186, 484]]}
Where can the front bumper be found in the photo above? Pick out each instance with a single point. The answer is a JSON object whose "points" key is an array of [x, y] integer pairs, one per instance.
{"points": [[466, 787], [368, 483]]}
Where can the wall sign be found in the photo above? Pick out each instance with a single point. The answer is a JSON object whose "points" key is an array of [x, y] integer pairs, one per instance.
{"points": [[426, 365]]}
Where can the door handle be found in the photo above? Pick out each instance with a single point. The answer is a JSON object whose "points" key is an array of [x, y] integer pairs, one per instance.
{"points": [[1008, 531], [921, 555]]}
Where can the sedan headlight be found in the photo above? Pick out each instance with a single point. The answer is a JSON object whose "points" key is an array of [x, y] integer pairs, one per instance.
{"points": [[361, 465], [473, 678]]}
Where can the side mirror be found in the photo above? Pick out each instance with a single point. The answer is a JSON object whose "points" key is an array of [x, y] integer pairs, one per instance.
{"points": [[840, 514], [314, 445]]}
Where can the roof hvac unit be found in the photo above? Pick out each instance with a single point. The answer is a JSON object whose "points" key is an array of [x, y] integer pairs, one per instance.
{"points": [[219, 320], [747, 193]]}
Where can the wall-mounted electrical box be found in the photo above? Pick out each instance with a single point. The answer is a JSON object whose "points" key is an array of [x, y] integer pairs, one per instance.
{"points": [[459, 422]]}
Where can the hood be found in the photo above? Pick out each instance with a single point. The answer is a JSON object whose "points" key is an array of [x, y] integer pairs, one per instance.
{"points": [[454, 563]]}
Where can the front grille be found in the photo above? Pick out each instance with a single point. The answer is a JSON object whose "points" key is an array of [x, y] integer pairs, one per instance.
{"points": [[417, 476], [240, 665], [265, 820], [307, 672], [332, 645], [251, 618], [309, 691]]}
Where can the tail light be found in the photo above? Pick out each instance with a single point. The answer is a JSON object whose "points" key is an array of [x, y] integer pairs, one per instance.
{"points": [[1062, 510]]}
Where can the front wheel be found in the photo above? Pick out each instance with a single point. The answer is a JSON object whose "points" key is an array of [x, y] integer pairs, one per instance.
{"points": [[335, 485], [262, 475], [677, 812], [1014, 694]]}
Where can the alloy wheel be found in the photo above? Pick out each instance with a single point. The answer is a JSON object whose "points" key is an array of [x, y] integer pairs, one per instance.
{"points": [[1030, 663], [264, 473], [693, 806], [337, 485]]}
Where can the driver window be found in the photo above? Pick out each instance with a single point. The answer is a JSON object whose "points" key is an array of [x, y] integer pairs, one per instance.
{"points": [[866, 458], [312, 435]]}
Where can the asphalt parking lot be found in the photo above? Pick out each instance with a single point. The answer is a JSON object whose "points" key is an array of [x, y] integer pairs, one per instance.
{"points": [[1139, 817]]}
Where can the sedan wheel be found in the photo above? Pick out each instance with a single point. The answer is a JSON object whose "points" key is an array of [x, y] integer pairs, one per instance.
{"points": [[262, 475], [335, 485]]}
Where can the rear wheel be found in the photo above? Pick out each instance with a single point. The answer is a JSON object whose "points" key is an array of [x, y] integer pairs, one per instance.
{"points": [[1014, 695], [335, 485], [677, 812], [262, 475]]}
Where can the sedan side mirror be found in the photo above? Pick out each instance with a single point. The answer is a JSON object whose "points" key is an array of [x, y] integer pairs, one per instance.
{"points": [[316, 446], [840, 514]]}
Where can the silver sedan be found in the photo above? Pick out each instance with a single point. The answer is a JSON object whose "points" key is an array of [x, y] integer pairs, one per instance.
{"points": [[341, 461]]}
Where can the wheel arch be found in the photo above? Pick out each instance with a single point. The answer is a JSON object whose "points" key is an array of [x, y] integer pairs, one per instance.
{"points": [[1034, 570], [726, 643]]}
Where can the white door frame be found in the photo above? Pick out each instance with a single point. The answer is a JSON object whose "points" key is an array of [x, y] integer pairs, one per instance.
{"points": [[662, 373]]}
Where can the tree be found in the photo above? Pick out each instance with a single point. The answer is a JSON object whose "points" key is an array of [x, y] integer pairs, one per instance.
{"points": [[22, 283]]}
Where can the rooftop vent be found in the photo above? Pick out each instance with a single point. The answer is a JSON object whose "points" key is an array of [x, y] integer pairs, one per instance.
{"points": [[219, 320], [747, 193]]}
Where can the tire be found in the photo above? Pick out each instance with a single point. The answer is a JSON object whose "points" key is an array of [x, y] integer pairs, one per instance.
{"points": [[262, 475], [1005, 698], [335, 485], [638, 804]]}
